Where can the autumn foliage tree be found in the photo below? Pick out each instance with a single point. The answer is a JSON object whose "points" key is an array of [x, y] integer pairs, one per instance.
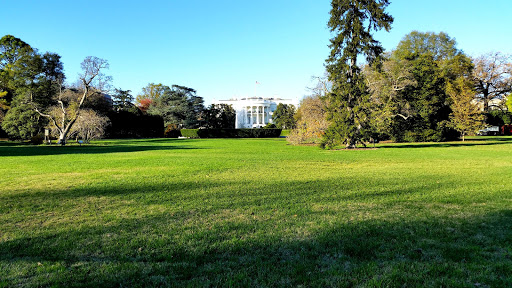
{"points": [[144, 104], [311, 121], [149, 95], [466, 117]]}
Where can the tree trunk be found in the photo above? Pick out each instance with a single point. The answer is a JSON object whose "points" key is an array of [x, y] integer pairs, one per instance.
{"points": [[64, 132]]}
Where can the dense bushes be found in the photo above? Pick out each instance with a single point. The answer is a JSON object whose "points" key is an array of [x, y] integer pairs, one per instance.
{"points": [[129, 125], [172, 131], [499, 118], [231, 133]]}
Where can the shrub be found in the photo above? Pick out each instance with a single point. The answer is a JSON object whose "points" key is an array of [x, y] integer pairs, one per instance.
{"points": [[125, 124], [190, 133], [258, 133], [172, 131], [37, 139], [499, 118], [311, 121]]}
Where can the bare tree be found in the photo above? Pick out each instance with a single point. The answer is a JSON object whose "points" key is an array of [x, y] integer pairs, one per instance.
{"points": [[70, 103], [493, 78], [90, 125], [384, 84], [322, 87]]}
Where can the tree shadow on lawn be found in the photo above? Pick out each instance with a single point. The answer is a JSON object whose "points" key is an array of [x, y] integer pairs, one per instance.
{"points": [[430, 252], [25, 150], [490, 138], [236, 239], [447, 144], [228, 194]]}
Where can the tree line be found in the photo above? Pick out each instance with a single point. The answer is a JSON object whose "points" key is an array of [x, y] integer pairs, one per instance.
{"points": [[426, 89], [35, 96]]}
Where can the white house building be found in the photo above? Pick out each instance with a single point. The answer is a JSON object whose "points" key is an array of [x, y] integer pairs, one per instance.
{"points": [[254, 112]]}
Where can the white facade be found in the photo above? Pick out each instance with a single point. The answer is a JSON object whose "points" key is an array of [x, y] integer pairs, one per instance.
{"points": [[254, 112]]}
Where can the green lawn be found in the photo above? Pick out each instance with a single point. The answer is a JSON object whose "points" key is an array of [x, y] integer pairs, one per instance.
{"points": [[256, 213]]}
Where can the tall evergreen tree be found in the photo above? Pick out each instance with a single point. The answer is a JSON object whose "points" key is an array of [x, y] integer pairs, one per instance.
{"points": [[178, 105], [349, 103]]}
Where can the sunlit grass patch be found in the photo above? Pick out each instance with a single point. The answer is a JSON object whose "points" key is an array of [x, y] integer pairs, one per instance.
{"points": [[256, 212]]}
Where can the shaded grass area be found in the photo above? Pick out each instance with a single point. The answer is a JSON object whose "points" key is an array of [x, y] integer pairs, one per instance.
{"points": [[256, 212]]}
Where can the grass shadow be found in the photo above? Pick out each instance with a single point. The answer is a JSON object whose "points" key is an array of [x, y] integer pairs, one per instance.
{"points": [[446, 144], [29, 150], [431, 252]]}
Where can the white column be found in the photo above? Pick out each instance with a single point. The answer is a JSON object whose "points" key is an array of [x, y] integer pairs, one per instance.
{"points": [[254, 114], [250, 115], [257, 114], [261, 114], [258, 109]]}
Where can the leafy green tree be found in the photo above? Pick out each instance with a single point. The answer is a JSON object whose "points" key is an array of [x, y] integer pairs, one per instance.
{"points": [[433, 60], [498, 117], [26, 77], [23, 70], [122, 100], [12, 49], [22, 122], [349, 102], [12, 52], [438, 45], [178, 105], [427, 104], [218, 116], [284, 116]]}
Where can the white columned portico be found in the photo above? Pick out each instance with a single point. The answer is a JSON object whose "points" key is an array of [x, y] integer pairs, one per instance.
{"points": [[248, 113]]}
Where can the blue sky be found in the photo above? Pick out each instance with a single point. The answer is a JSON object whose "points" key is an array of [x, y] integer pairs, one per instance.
{"points": [[221, 48]]}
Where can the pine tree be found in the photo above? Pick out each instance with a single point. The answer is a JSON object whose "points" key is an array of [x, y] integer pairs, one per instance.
{"points": [[349, 101]]}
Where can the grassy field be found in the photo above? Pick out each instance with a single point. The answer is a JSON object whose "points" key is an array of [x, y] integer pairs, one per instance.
{"points": [[256, 213]]}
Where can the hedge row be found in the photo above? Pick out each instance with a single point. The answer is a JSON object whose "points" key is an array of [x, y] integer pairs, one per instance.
{"points": [[231, 133], [125, 124]]}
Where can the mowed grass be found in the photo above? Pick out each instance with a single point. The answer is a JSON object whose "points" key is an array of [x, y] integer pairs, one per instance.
{"points": [[256, 213]]}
